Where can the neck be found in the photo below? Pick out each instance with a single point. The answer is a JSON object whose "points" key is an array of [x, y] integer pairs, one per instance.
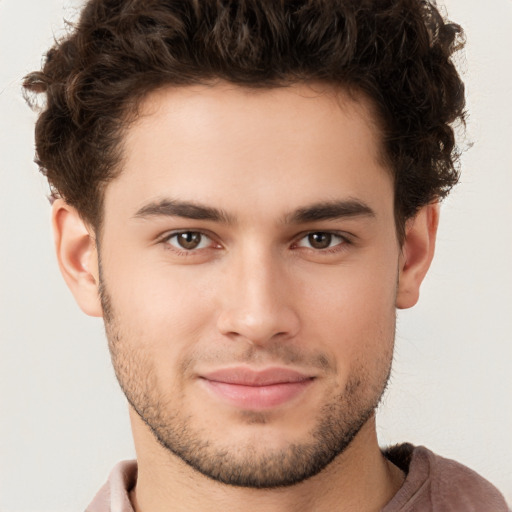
{"points": [[360, 479]]}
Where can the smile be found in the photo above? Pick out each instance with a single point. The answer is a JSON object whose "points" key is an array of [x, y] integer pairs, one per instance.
{"points": [[257, 390]]}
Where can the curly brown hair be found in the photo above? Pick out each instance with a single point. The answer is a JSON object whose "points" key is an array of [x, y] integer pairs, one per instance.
{"points": [[396, 52]]}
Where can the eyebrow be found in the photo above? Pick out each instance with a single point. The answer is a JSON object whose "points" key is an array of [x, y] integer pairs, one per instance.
{"points": [[330, 210], [185, 209], [327, 210]]}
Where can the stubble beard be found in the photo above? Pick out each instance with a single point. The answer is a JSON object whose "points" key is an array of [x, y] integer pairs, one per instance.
{"points": [[250, 465]]}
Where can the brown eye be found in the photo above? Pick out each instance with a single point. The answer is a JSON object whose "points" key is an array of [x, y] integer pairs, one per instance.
{"points": [[189, 240], [320, 240]]}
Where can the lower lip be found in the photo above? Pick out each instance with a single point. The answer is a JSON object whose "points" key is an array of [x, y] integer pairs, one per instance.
{"points": [[258, 397]]}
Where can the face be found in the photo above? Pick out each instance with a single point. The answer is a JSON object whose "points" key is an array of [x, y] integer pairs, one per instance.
{"points": [[249, 267]]}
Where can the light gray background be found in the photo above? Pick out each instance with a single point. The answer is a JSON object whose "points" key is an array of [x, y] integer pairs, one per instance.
{"points": [[63, 421]]}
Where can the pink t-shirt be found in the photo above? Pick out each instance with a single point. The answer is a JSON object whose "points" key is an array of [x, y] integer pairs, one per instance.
{"points": [[433, 484]]}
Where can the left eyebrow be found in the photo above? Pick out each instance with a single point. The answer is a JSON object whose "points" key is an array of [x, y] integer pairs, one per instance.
{"points": [[330, 210], [183, 209]]}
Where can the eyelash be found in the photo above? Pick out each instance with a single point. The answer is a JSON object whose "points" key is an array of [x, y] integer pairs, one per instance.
{"points": [[345, 241], [182, 251], [341, 245]]}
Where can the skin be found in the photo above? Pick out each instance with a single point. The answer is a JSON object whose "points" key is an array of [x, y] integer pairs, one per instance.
{"points": [[259, 291]]}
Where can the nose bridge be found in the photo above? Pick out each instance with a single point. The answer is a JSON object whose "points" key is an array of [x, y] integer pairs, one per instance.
{"points": [[258, 301], [259, 275]]}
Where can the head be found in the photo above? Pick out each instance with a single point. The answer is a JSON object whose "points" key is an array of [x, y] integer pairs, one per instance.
{"points": [[246, 195]]}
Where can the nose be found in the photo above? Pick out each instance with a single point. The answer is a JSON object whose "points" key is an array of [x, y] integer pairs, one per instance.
{"points": [[258, 301]]}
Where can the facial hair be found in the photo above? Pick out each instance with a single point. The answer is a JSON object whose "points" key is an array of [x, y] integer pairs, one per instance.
{"points": [[250, 465]]}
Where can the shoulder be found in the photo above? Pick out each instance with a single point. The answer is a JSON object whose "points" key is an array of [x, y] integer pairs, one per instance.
{"points": [[460, 486], [443, 483], [114, 495]]}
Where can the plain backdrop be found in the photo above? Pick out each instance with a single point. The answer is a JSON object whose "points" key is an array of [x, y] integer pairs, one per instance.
{"points": [[63, 421]]}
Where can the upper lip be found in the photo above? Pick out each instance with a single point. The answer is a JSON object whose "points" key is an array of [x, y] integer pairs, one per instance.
{"points": [[243, 376]]}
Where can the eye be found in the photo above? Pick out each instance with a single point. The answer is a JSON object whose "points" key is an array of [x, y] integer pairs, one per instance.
{"points": [[320, 240], [189, 240]]}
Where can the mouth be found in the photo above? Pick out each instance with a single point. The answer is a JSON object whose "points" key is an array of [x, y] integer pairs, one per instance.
{"points": [[250, 389]]}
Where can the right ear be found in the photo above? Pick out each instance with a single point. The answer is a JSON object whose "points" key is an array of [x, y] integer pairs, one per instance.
{"points": [[77, 255]]}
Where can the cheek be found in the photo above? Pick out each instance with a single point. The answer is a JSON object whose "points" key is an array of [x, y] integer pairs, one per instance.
{"points": [[159, 312], [160, 290], [352, 311]]}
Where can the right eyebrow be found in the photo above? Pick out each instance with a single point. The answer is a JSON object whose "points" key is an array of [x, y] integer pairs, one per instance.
{"points": [[330, 210], [184, 209]]}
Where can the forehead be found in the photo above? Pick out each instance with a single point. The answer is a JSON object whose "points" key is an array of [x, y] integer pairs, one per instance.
{"points": [[223, 107], [273, 147]]}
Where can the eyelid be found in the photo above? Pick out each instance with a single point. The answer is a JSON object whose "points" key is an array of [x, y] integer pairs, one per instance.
{"points": [[346, 243], [164, 239], [346, 237]]}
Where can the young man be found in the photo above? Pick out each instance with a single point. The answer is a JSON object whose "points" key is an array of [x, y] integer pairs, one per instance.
{"points": [[246, 191]]}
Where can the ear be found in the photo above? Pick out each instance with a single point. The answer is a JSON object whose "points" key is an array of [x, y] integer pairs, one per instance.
{"points": [[75, 246], [417, 253]]}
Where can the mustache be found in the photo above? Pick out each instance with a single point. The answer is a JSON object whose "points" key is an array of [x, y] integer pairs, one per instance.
{"points": [[272, 353]]}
